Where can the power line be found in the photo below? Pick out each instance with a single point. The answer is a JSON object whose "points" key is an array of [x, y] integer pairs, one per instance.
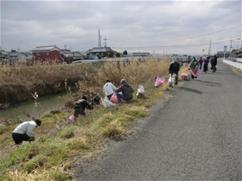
{"points": [[182, 38], [179, 45]]}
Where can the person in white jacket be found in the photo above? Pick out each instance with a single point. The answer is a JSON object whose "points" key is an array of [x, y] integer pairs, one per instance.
{"points": [[24, 131], [109, 89]]}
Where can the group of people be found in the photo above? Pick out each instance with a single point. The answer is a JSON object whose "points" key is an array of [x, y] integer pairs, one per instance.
{"points": [[195, 66], [122, 93], [203, 63]]}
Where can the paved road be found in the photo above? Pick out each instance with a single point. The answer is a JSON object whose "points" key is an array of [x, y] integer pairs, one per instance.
{"points": [[196, 136]]}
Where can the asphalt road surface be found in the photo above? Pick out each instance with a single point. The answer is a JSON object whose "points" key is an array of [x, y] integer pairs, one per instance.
{"points": [[196, 136]]}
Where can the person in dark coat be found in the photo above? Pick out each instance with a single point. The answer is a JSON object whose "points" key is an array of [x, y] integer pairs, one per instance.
{"points": [[124, 91], [200, 63], [205, 65], [174, 69], [214, 63], [80, 106]]}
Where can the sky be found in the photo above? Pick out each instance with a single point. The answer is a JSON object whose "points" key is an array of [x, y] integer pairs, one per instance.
{"points": [[171, 26]]}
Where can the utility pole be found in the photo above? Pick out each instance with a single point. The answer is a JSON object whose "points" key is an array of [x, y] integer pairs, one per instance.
{"points": [[210, 47], [231, 45], [105, 42], [99, 39]]}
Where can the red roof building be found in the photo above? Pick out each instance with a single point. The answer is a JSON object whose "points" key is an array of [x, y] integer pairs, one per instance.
{"points": [[47, 54]]}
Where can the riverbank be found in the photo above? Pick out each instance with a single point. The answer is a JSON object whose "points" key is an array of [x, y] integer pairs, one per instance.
{"points": [[89, 81], [18, 84], [60, 145]]}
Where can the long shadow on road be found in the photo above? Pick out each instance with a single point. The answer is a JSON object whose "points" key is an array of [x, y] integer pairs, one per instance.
{"points": [[191, 90], [210, 83]]}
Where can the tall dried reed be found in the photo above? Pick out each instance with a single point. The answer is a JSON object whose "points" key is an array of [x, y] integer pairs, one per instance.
{"points": [[135, 72]]}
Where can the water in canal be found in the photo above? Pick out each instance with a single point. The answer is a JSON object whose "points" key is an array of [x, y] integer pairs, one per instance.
{"points": [[37, 109]]}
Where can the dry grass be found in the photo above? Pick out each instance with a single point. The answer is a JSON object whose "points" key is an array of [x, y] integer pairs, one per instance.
{"points": [[135, 72], [60, 143], [18, 83]]}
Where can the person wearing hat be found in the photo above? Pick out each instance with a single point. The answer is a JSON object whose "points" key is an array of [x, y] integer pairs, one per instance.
{"points": [[124, 91], [24, 131]]}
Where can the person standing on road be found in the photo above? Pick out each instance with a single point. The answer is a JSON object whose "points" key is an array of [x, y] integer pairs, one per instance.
{"points": [[174, 69], [213, 62], [205, 64], [24, 131], [200, 63], [109, 89]]}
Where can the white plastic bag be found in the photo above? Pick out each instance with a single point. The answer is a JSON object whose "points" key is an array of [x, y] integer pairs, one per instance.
{"points": [[107, 103], [171, 80], [140, 91]]}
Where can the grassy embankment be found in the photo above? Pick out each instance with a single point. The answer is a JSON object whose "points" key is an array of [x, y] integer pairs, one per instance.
{"points": [[60, 145], [19, 83]]}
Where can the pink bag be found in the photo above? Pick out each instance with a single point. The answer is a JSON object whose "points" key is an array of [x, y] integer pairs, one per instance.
{"points": [[114, 99], [159, 81]]}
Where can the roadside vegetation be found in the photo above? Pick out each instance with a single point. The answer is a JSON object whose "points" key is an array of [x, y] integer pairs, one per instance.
{"points": [[20, 82], [60, 145]]}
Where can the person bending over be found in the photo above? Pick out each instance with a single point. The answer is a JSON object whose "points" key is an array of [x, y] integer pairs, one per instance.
{"points": [[109, 89], [124, 91], [174, 69], [80, 106], [24, 131]]}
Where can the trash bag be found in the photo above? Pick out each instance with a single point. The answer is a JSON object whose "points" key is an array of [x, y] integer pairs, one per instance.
{"points": [[171, 80], [140, 91], [107, 103], [114, 99], [159, 81]]}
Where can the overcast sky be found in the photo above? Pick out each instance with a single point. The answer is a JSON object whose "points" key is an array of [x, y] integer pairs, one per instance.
{"points": [[157, 26]]}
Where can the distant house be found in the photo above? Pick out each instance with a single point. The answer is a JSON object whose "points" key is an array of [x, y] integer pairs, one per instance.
{"points": [[77, 56], [67, 55], [102, 52], [220, 54], [47, 54], [12, 57], [24, 57], [236, 53], [3, 56]]}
